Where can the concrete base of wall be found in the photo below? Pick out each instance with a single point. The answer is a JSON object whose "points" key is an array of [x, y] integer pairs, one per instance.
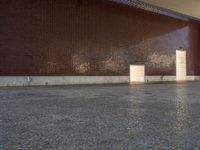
{"points": [[170, 78], [159, 78], [71, 80], [60, 80]]}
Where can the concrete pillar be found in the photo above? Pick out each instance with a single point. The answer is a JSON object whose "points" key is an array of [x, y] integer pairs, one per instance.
{"points": [[181, 70], [137, 73]]}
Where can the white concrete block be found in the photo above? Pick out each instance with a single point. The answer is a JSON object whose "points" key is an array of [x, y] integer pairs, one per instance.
{"points": [[137, 73], [181, 74]]}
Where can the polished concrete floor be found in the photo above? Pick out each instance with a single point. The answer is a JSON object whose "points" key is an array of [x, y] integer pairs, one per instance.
{"points": [[102, 117]]}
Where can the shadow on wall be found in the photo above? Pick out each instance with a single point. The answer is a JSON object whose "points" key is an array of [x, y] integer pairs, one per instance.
{"points": [[193, 62], [86, 37]]}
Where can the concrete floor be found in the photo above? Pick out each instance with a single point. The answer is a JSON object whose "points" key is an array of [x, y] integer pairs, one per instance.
{"points": [[124, 117]]}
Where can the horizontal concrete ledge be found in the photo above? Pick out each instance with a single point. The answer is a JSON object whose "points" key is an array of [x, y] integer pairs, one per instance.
{"points": [[169, 78], [60, 80], [71, 80], [159, 78]]}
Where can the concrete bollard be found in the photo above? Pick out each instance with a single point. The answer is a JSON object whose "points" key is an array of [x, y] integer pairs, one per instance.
{"points": [[137, 74], [181, 71]]}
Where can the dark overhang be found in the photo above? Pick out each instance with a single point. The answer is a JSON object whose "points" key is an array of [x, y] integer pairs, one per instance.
{"points": [[156, 9]]}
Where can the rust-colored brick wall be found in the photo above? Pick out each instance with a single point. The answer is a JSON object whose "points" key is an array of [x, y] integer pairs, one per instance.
{"points": [[90, 37]]}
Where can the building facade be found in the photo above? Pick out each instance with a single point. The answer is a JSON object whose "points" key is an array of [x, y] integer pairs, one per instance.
{"points": [[90, 38]]}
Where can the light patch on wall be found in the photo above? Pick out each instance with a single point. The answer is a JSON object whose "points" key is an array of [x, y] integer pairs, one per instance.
{"points": [[182, 36], [52, 65], [117, 62], [80, 64], [157, 59], [164, 58]]}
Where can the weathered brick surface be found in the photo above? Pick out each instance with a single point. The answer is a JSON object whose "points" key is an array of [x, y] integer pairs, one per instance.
{"points": [[90, 37]]}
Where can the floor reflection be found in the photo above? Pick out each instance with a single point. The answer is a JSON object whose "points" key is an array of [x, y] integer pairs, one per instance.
{"points": [[181, 109]]}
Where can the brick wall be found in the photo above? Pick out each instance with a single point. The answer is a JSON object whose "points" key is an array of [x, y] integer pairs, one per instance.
{"points": [[90, 37]]}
